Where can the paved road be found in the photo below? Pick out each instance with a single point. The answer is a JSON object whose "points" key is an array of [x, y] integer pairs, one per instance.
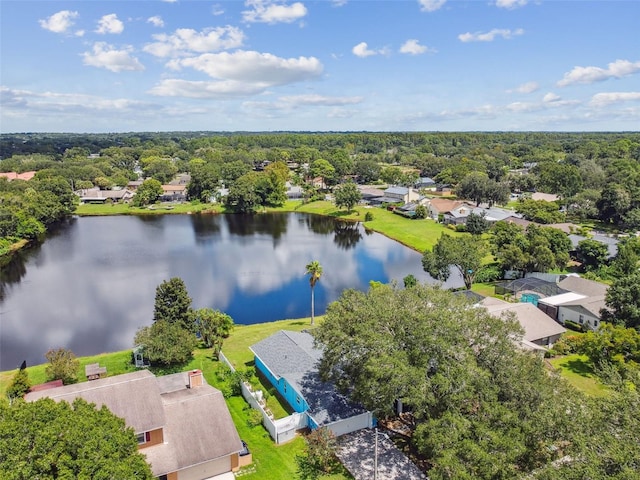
{"points": [[357, 451]]}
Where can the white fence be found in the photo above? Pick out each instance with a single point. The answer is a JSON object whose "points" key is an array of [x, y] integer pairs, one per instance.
{"points": [[281, 430]]}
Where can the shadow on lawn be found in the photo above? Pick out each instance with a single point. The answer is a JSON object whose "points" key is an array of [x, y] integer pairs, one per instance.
{"points": [[579, 367]]}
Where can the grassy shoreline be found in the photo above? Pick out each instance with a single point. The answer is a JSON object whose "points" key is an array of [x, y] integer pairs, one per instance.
{"points": [[418, 235]]}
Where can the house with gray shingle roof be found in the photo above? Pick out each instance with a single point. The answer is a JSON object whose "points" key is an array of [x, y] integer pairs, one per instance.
{"points": [[289, 360], [183, 425]]}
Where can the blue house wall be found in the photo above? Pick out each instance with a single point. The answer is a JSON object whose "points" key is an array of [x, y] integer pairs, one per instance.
{"points": [[290, 394]]}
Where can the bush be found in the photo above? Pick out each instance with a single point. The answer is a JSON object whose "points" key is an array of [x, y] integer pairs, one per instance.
{"points": [[576, 327], [254, 418], [568, 344], [461, 228], [20, 384], [368, 217]]}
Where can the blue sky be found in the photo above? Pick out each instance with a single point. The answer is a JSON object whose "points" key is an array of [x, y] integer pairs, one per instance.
{"points": [[261, 65]]}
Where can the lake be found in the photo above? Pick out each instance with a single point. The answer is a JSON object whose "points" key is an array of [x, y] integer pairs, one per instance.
{"points": [[92, 283]]}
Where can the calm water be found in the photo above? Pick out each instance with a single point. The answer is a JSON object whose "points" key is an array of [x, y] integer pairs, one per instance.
{"points": [[91, 285]]}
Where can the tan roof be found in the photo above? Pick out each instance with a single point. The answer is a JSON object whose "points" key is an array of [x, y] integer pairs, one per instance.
{"points": [[444, 205], [592, 305], [536, 324], [174, 188], [199, 428], [583, 286], [547, 197], [18, 176], [132, 396]]}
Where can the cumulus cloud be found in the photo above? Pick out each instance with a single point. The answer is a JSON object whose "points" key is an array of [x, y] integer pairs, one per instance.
{"points": [[528, 87], [60, 22], [551, 97], [490, 36], [362, 50], [268, 11], [236, 74], [156, 21], [186, 40], [431, 5], [106, 56], [617, 69], [511, 4], [253, 67], [413, 47], [110, 24], [607, 98]]}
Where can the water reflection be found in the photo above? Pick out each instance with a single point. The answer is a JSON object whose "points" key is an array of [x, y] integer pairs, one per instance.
{"points": [[90, 286]]}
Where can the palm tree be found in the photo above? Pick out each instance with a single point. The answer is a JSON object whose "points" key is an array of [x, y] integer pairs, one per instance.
{"points": [[314, 269]]}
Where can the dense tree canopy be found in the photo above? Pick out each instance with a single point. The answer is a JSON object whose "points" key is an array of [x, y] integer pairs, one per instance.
{"points": [[50, 440], [347, 195], [173, 303], [464, 254], [483, 408]]}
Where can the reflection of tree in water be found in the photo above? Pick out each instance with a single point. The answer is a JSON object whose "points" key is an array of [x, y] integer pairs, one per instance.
{"points": [[274, 224], [13, 271], [347, 234], [320, 224], [205, 227]]}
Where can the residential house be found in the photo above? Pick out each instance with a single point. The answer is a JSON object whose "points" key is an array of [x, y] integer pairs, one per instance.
{"points": [[289, 361], [294, 191], [539, 328], [371, 194], [443, 190], [182, 424], [174, 193], [401, 195], [95, 195], [610, 242], [440, 206], [425, 182]]}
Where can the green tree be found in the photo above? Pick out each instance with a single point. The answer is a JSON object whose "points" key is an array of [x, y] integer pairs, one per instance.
{"points": [[421, 211], [314, 270], [482, 408], [160, 169], [622, 301], [63, 365], [368, 170], [323, 169], [148, 192], [463, 253], [347, 195], [48, 440], [592, 254], [243, 196], [319, 456], [477, 224], [410, 281], [166, 343], [173, 303], [214, 326], [20, 384]]}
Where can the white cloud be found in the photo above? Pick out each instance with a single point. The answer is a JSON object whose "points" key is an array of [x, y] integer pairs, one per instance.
{"points": [[617, 69], [106, 56], [217, 89], [186, 40], [551, 97], [511, 4], [490, 36], [320, 100], [431, 5], [268, 11], [170, 1], [59, 22], [110, 24], [156, 21], [217, 10], [339, 3], [362, 50], [528, 87], [607, 98], [253, 67], [413, 47]]}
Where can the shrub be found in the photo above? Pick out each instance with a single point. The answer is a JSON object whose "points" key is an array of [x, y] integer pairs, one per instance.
{"points": [[368, 217], [490, 273], [254, 418], [20, 384], [461, 228], [576, 327]]}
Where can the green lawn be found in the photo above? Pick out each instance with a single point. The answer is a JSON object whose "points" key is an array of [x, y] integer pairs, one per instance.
{"points": [[128, 209], [576, 369]]}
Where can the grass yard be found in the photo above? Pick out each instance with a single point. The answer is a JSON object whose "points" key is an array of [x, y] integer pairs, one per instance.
{"points": [[159, 209], [576, 369]]}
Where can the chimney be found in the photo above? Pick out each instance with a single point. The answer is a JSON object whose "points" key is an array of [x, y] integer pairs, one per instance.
{"points": [[195, 378]]}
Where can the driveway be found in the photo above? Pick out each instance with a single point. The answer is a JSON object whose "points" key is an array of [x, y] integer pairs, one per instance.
{"points": [[357, 452]]}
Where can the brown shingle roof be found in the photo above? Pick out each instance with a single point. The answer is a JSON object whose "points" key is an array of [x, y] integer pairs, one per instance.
{"points": [[132, 396]]}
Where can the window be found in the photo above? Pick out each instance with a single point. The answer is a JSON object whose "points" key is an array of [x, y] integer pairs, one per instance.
{"points": [[581, 319], [285, 388], [297, 399], [143, 438], [595, 323]]}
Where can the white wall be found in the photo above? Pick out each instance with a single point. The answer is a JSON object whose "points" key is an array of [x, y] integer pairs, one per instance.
{"points": [[206, 470], [573, 315], [352, 424]]}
